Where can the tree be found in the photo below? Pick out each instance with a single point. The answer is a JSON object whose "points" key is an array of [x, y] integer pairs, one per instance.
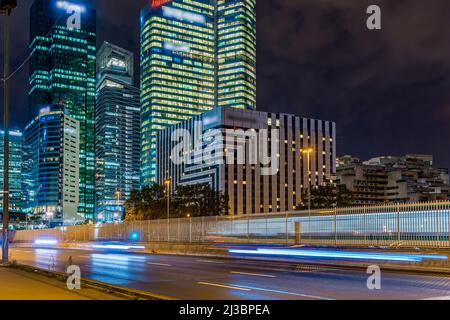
{"points": [[146, 204], [345, 197], [154, 202], [328, 196], [195, 200], [133, 206], [200, 201]]}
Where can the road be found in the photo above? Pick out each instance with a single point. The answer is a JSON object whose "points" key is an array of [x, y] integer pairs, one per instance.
{"points": [[196, 278]]}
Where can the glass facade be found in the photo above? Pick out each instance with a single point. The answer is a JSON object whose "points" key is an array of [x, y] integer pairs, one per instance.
{"points": [[117, 132], [62, 71], [15, 170], [51, 166], [195, 56], [237, 53]]}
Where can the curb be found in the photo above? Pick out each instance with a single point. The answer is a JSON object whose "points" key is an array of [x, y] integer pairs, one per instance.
{"points": [[109, 288]]}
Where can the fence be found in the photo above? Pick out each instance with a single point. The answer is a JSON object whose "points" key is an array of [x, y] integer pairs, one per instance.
{"points": [[415, 224]]}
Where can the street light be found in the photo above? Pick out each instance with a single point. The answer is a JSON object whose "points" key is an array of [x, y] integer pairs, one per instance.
{"points": [[308, 152], [6, 7], [168, 182]]}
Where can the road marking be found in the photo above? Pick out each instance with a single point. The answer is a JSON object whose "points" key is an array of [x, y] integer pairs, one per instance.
{"points": [[211, 261], [286, 293], [223, 286], [247, 288], [253, 274], [159, 264]]}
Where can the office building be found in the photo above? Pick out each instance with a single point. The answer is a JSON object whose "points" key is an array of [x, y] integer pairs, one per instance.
{"points": [[62, 71], [195, 55], [117, 133], [258, 159], [15, 170], [51, 167], [409, 178], [236, 42]]}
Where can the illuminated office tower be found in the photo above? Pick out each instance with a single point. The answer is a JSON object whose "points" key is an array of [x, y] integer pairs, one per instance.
{"points": [[195, 55], [62, 71], [117, 132], [218, 139], [15, 170], [237, 54], [51, 151]]}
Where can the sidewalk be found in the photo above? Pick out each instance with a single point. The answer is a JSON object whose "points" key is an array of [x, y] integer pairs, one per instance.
{"points": [[22, 285]]}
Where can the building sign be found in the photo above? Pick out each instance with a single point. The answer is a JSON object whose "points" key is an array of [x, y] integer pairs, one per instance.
{"points": [[159, 3]]}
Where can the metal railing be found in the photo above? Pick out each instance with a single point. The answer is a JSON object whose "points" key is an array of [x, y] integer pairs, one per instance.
{"points": [[413, 224]]}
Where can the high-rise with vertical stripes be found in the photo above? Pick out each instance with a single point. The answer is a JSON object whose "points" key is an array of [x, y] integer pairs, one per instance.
{"points": [[62, 72], [117, 132], [195, 55]]}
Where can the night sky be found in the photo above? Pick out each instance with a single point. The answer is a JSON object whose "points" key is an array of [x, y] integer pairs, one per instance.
{"points": [[388, 90]]}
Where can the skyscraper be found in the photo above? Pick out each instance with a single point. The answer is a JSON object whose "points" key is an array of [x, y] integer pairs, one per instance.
{"points": [[236, 53], [195, 55], [62, 71], [15, 170], [117, 132], [51, 166]]}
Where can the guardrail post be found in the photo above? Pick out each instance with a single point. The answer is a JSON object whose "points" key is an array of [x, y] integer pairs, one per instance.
{"points": [[203, 229], [298, 233], [365, 224], [231, 224], [438, 229], [398, 224], [267, 227], [287, 230], [190, 229], [335, 226], [448, 222], [248, 228]]}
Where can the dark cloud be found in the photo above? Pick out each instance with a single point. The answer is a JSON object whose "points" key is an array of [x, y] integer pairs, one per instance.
{"points": [[387, 90]]}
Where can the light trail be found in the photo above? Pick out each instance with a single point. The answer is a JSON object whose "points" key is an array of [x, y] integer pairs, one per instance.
{"points": [[379, 256]]}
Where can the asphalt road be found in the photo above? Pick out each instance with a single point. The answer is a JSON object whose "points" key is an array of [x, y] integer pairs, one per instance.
{"points": [[196, 278]]}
